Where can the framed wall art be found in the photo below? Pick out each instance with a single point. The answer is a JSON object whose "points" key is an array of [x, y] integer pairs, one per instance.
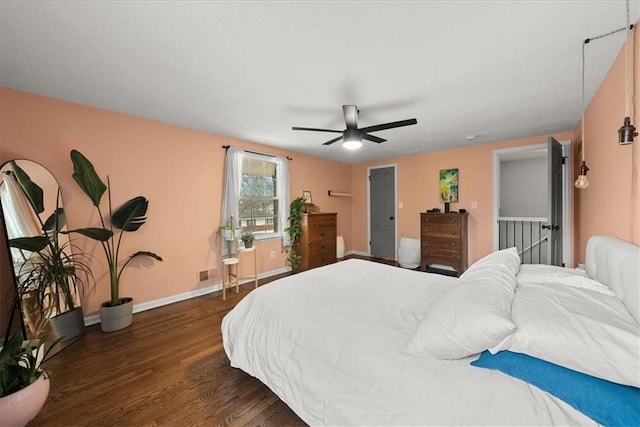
{"points": [[448, 186]]}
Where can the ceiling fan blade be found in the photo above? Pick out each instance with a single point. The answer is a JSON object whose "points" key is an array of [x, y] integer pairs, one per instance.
{"points": [[391, 125], [372, 138], [316, 129], [350, 116], [333, 140]]}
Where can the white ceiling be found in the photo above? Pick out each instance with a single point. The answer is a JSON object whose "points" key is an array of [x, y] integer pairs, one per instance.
{"points": [[251, 70]]}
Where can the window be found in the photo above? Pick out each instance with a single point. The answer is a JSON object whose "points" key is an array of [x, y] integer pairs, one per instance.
{"points": [[258, 205], [256, 194]]}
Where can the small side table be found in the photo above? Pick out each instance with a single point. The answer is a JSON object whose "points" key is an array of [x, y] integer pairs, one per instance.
{"points": [[254, 276], [229, 278]]}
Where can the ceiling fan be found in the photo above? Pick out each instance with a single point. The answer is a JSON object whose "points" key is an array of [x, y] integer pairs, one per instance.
{"points": [[353, 135]]}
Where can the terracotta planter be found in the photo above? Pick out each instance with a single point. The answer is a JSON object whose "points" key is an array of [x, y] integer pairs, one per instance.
{"points": [[114, 318], [19, 408], [68, 325]]}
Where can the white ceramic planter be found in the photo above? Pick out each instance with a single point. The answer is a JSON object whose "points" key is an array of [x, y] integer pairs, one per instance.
{"points": [[19, 408]]}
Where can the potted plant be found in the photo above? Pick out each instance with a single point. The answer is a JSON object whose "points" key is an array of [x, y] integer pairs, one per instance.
{"points": [[247, 238], [296, 209], [24, 386], [51, 273], [117, 313]]}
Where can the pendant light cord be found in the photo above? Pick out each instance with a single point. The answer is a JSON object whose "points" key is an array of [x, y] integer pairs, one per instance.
{"points": [[631, 110], [628, 28], [582, 121]]}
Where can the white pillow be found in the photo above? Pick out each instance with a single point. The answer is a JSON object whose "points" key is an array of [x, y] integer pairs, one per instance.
{"points": [[541, 273], [471, 317], [503, 259], [578, 329]]}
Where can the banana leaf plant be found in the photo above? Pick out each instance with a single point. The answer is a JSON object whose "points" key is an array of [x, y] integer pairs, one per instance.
{"points": [[51, 272], [127, 218]]}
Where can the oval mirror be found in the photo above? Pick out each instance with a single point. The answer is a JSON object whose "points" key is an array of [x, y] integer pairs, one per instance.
{"points": [[48, 273]]}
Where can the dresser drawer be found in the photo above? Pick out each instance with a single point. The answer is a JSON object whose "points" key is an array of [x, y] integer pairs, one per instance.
{"points": [[320, 220], [453, 244], [322, 246], [322, 233], [440, 230], [442, 219]]}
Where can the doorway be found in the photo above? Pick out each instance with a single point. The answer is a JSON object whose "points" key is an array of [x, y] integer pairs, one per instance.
{"points": [[523, 198], [382, 211]]}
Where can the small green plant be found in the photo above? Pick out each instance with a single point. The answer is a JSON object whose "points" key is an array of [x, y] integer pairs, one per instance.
{"points": [[247, 238], [296, 209]]}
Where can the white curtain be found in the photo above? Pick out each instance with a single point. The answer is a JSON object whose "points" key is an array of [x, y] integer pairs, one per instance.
{"points": [[283, 195], [232, 184]]}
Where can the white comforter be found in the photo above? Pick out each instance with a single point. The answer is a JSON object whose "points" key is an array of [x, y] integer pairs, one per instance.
{"points": [[329, 342]]}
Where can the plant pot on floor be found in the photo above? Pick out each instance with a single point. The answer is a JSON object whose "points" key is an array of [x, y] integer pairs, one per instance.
{"points": [[114, 318], [19, 408], [68, 325]]}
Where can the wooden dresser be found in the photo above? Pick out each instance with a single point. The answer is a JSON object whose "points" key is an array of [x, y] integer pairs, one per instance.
{"points": [[443, 240], [318, 240]]}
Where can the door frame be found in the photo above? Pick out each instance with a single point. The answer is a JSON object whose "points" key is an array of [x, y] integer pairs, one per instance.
{"points": [[567, 194], [395, 206]]}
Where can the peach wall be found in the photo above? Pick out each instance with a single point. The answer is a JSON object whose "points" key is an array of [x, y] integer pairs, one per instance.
{"points": [[417, 186], [607, 206], [179, 170]]}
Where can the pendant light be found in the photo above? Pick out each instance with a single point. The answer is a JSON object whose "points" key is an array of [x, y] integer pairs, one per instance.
{"points": [[582, 182], [627, 132]]}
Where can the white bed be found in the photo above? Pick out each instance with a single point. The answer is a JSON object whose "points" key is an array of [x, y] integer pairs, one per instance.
{"points": [[341, 345]]}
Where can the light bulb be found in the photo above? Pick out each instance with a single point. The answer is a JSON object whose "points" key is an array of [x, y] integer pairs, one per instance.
{"points": [[582, 182], [352, 144]]}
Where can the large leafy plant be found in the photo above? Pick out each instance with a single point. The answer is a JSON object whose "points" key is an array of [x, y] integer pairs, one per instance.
{"points": [[127, 218], [51, 271], [296, 209]]}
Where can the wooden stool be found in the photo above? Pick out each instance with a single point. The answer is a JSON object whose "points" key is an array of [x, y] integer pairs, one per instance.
{"points": [[228, 273]]}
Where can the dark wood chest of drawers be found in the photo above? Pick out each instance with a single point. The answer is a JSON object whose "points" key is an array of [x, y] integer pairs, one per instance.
{"points": [[318, 240], [443, 240]]}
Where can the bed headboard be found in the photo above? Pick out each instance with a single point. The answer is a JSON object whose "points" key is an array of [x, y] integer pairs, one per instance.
{"points": [[616, 263]]}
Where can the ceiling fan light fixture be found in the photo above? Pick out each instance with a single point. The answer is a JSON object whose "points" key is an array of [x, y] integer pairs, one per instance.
{"points": [[352, 144], [352, 139]]}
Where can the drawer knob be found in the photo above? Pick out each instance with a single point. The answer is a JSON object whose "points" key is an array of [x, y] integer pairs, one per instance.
{"points": [[453, 244], [426, 220]]}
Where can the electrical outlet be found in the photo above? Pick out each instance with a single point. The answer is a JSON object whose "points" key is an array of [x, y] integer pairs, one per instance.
{"points": [[273, 254], [474, 205]]}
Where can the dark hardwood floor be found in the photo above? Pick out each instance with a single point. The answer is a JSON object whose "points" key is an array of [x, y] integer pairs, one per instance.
{"points": [[167, 368]]}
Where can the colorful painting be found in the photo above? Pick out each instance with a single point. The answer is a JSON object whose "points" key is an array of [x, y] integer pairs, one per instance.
{"points": [[449, 186]]}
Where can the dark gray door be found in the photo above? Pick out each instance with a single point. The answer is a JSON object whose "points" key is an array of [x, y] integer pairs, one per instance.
{"points": [[382, 199], [554, 227]]}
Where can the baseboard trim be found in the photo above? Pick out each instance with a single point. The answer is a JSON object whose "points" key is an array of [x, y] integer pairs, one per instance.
{"points": [[137, 308], [361, 253]]}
